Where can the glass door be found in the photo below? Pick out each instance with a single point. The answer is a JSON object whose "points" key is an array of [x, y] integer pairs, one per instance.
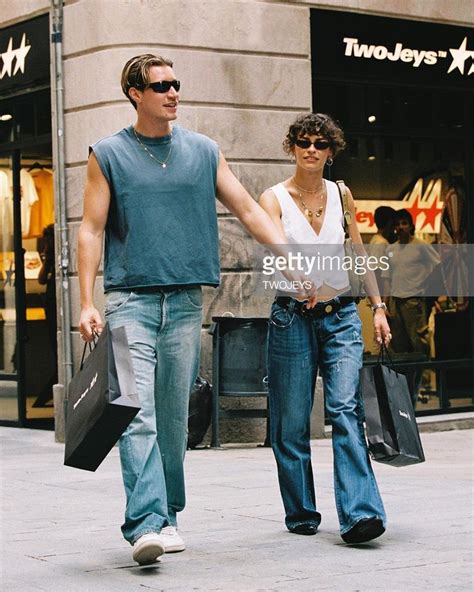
{"points": [[28, 350], [39, 264], [10, 358]]}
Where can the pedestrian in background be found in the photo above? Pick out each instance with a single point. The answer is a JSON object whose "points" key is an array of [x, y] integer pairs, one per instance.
{"points": [[412, 261], [307, 208], [385, 235]]}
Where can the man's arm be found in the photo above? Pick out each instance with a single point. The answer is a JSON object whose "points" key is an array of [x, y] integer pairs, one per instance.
{"points": [[256, 220], [236, 199], [90, 239]]}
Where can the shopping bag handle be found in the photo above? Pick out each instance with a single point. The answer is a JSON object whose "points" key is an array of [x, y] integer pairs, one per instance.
{"points": [[95, 336], [384, 356]]}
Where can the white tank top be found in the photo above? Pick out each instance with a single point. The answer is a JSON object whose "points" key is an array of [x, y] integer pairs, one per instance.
{"points": [[328, 258]]}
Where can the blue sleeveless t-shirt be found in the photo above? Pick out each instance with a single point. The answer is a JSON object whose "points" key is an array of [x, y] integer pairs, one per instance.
{"points": [[162, 223]]}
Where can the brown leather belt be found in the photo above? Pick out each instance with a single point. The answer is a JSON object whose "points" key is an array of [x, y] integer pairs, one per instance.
{"points": [[322, 309]]}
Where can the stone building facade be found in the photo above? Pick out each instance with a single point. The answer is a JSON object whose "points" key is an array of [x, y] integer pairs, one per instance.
{"points": [[245, 67]]}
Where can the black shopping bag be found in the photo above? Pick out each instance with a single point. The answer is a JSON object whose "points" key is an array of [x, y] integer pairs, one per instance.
{"points": [[200, 411], [391, 426], [102, 401]]}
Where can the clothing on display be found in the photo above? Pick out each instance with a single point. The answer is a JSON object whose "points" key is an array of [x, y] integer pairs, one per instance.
{"points": [[6, 214], [37, 204], [42, 211], [29, 196]]}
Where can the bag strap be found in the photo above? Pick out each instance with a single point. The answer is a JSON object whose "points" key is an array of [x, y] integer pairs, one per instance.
{"points": [[344, 197], [95, 336], [388, 358]]}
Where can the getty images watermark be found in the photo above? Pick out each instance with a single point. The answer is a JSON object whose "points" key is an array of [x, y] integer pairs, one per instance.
{"points": [[317, 265], [414, 269]]}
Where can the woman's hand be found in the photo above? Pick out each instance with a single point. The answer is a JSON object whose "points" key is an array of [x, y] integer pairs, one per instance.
{"points": [[381, 328]]}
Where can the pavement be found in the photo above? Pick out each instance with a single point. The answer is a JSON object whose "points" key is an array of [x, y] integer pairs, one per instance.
{"points": [[60, 526]]}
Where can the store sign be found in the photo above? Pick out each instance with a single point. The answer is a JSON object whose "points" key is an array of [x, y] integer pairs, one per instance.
{"points": [[423, 201], [348, 45], [24, 55], [414, 57]]}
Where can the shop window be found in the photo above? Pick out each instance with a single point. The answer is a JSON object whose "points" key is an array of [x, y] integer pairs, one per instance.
{"points": [[417, 108], [43, 114], [372, 107], [25, 119], [451, 110], [345, 102], [388, 149], [6, 125], [387, 106], [408, 115], [353, 146], [414, 151]]}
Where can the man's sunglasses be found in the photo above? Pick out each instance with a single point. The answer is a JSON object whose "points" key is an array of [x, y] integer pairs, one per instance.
{"points": [[318, 144], [164, 86]]}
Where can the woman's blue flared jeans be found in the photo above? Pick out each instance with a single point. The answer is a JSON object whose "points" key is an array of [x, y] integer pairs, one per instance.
{"points": [[164, 334], [297, 347]]}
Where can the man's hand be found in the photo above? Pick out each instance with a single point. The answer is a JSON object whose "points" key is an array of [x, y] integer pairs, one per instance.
{"points": [[381, 328], [308, 291], [90, 323]]}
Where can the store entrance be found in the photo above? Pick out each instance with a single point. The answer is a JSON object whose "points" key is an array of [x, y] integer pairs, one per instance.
{"points": [[28, 363], [409, 131], [28, 349]]}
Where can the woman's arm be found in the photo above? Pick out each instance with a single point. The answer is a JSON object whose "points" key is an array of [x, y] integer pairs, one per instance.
{"points": [[381, 327]]}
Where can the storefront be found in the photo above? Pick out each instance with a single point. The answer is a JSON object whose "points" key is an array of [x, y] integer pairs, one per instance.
{"points": [[403, 92], [28, 349], [401, 89]]}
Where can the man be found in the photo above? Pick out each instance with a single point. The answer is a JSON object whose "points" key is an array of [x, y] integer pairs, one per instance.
{"points": [[151, 189], [383, 217], [412, 260]]}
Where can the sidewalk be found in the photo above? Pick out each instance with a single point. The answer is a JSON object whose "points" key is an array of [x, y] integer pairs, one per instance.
{"points": [[60, 526]]}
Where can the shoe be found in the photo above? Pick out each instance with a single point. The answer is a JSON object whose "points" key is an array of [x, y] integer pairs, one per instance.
{"points": [[307, 529], [363, 531], [148, 548], [172, 541]]}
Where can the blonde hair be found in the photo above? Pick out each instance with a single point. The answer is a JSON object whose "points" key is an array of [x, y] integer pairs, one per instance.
{"points": [[136, 72]]}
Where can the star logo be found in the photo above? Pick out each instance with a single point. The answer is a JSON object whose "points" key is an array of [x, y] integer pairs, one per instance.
{"points": [[430, 215], [460, 56], [19, 54], [415, 210], [8, 58], [425, 205]]}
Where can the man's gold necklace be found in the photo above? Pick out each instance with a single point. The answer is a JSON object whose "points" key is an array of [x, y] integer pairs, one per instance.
{"points": [[308, 212], [161, 162]]}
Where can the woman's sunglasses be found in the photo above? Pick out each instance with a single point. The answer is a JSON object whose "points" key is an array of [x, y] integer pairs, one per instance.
{"points": [[318, 144], [164, 86]]}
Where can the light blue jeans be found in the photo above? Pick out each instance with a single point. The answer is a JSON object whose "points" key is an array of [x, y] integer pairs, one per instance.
{"points": [[297, 346], [164, 334]]}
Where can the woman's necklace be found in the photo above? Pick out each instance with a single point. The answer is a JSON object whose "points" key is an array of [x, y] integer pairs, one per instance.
{"points": [[162, 162], [308, 212]]}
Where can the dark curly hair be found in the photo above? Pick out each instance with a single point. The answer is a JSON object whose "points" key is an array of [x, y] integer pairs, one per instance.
{"points": [[312, 124]]}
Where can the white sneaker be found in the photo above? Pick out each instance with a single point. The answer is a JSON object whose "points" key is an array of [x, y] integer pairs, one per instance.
{"points": [[148, 548], [171, 539]]}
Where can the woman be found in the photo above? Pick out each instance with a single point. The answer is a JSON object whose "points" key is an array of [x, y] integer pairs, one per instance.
{"points": [[308, 210]]}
